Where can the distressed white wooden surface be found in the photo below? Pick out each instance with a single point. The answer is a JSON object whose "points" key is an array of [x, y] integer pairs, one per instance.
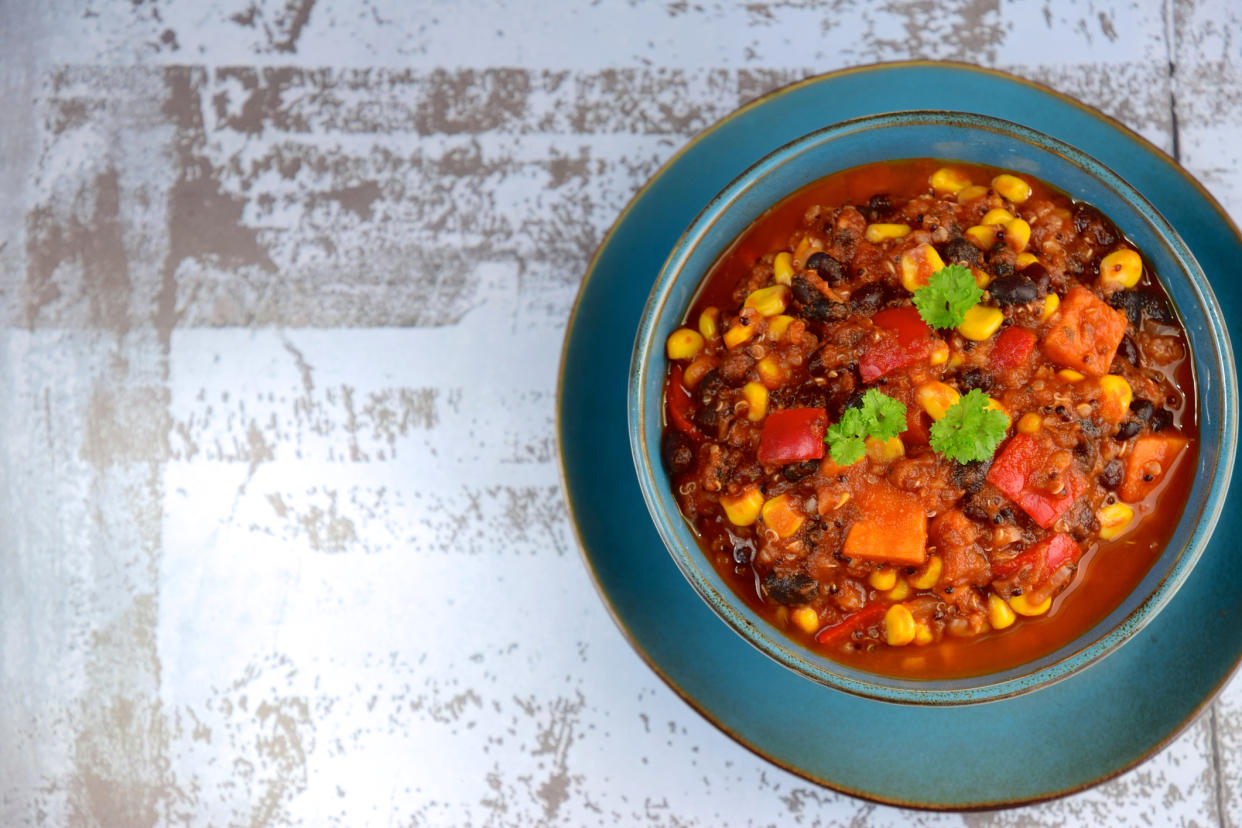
{"points": [[282, 289]]}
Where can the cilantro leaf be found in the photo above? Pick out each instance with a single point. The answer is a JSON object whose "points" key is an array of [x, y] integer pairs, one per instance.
{"points": [[878, 416], [846, 438], [885, 416], [949, 293], [969, 430]]}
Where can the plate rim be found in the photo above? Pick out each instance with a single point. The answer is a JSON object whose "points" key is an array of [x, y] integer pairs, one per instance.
{"points": [[563, 475]]}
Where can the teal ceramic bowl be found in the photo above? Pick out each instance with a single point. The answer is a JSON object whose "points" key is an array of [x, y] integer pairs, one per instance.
{"points": [[969, 138]]}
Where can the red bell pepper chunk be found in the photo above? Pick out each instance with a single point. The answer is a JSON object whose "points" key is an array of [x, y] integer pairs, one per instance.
{"points": [[793, 435], [904, 340], [1022, 459], [1012, 348], [838, 633], [677, 398], [918, 427], [1044, 558]]}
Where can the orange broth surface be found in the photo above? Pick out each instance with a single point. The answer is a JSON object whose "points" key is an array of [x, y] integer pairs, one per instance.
{"points": [[1104, 578]]}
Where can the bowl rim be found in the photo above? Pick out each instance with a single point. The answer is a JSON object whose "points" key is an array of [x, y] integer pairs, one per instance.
{"points": [[971, 689]]}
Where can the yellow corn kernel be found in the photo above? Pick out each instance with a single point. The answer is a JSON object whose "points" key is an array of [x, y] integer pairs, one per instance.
{"points": [[883, 579], [780, 515], [709, 322], [885, 451], [1070, 375], [996, 216], [1051, 303], [939, 352], [740, 333], [1114, 520], [695, 371], [930, 575], [1121, 268], [769, 301], [1117, 395], [1022, 606], [982, 278], [971, 193], [900, 592], [1025, 259], [756, 397], [684, 343], [1017, 235], [1000, 614], [782, 268], [983, 236], [936, 398], [1012, 188], [918, 265], [805, 619], [955, 361], [777, 326], [771, 374], [1029, 423], [923, 634], [946, 181], [898, 626], [981, 322], [805, 248], [743, 510], [877, 233], [995, 405]]}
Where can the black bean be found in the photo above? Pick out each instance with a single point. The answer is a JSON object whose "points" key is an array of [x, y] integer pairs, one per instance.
{"points": [[1142, 409], [1130, 301], [973, 378], [1128, 351], [1128, 429], [878, 207], [710, 386], [678, 452], [976, 510], [854, 400], [1013, 290], [970, 477], [1002, 266], [1084, 452], [804, 292], [1110, 478], [1161, 419], [710, 422], [1038, 274], [870, 298], [790, 589], [797, 471], [961, 251], [1157, 308], [828, 268], [1091, 223], [743, 549]]}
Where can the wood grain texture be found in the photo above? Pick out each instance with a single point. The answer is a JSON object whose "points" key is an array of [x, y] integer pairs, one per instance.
{"points": [[282, 290]]}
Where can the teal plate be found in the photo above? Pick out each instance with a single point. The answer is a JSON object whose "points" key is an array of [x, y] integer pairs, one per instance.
{"points": [[1073, 734]]}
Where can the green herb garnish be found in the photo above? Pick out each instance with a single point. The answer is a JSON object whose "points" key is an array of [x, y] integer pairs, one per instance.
{"points": [[949, 293], [969, 430], [879, 416]]}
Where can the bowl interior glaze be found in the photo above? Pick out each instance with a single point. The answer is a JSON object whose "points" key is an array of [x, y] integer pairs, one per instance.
{"points": [[976, 139]]}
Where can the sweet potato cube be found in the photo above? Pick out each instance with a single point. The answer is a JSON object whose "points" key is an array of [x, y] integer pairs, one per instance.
{"points": [[1149, 461], [1085, 334], [892, 528]]}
